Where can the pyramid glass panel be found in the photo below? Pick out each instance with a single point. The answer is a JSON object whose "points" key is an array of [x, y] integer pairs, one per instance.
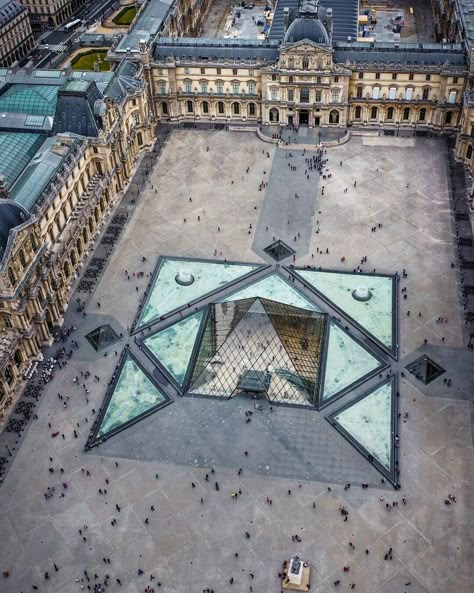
{"points": [[102, 337], [347, 362], [374, 315], [368, 420], [274, 288], [133, 395], [174, 345], [425, 370], [168, 294], [257, 345]]}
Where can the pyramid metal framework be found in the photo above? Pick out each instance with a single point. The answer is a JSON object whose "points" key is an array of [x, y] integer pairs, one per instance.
{"points": [[258, 345]]}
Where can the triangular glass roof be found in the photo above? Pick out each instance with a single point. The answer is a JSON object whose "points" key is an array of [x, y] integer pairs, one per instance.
{"points": [[132, 395], [368, 421], [174, 345], [166, 294], [347, 363], [374, 315], [274, 288], [258, 345]]}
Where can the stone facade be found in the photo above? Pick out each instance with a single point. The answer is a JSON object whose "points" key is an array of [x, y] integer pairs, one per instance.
{"points": [[16, 37], [50, 13], [44, 256]]}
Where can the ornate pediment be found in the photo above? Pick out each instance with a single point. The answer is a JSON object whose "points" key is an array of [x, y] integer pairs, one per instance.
{"points": [[305, 46]]}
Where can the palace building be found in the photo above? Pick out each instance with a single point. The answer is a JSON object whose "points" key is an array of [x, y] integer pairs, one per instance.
{"points": [[69, 140]]}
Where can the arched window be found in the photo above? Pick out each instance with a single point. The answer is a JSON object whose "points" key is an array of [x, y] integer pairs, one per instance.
{"points": [[373, 113], [220, 108], [236, 108], [305, 62], [205, 107], [304, 95], [164, 108], [334, 116], [189, 107], [422, 114], [469, 152], [252, 110], [17, 358], [21, 255], [357, 112], [448, 117], [11, 275], [406, 113], [390, 113], [274, 115]]}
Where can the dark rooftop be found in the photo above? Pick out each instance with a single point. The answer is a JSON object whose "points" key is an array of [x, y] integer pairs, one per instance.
{"points": [[194, 49]]}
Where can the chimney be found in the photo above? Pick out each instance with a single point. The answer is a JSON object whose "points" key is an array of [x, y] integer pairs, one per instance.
{"points": [[329, 23], [4, 191], [286, 17]]}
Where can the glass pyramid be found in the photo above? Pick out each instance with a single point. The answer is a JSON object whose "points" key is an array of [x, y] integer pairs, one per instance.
{"points": [[374, 315], [132, 395], [259, 345], [102, 337], [347, 362], [274, 288], [166, 294], [174, 345], [368, 421]]}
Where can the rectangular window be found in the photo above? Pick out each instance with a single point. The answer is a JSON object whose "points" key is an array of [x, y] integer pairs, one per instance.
{"points": [[377, 76], [251, 108], [335, 95], [426, 94], [218, 70], [359, 92], [455, 79], [361, 75], [220, 88], [186, 70], [251, 88], [291, 95], [428, 77], [411, 76], [203, 87], [162, 88], [234, 72], [189, 86], [136, 119], [392, 92], [235, 88], [203, 71], [251, 73], [394, 76], [452, 97], [273, 95], [408, 94], [336, 79], [318, 96], [376, 92]]}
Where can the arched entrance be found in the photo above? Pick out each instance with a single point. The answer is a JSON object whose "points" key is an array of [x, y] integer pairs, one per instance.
{"points": [[274, 115], [304, 117], [334, 117]]}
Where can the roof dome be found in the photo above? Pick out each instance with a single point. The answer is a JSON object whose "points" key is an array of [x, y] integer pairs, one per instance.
{"points": [[11, 216], [307, 28]]}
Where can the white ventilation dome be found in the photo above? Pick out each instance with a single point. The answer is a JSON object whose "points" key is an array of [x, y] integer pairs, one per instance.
{"points": [[361, 293], [184, 277]]}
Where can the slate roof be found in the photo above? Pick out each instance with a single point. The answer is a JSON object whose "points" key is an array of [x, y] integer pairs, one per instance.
{"points": [[189, 49], [307, 28], [146, 27], [416, 54], [9, 9], [75, 111], [344, 16], [11, 216]]}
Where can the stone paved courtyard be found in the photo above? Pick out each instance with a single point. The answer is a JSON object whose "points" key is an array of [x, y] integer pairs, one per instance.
{"points": [[188, 545]]}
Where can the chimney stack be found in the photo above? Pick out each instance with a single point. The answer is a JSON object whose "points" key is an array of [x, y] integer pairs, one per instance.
{"points": [[286, 17], [329, 23]]}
